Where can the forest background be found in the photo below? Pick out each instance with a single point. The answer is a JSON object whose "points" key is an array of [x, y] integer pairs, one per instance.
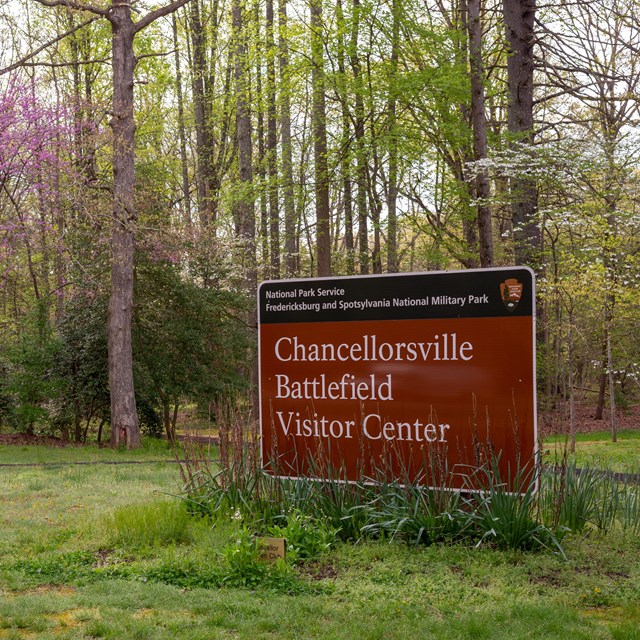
{"points": [[156, 162]]}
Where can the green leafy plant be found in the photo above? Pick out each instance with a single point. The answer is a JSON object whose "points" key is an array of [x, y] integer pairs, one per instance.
{"points": [[306, 537], [524, 510], [243, 567]]}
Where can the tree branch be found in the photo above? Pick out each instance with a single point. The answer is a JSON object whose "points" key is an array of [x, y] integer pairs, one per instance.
{"points": [[46, 45], [58, 65], [155, 55], [157, 13], [75, 5]]}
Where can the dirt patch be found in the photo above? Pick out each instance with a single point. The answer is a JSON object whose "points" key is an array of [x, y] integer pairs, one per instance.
{"points": [[318, 571], [23, 439], [108, 558], [554, 422], [550, 579]]}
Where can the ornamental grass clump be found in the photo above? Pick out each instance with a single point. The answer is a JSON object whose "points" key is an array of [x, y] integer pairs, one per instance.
{"points": [[504, 513], [529, 508], [420, 515], [577, 500]]}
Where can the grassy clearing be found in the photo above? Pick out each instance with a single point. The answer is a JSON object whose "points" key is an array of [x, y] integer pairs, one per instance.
{"points": [[103, 552], [597, 450], [152, 449]]}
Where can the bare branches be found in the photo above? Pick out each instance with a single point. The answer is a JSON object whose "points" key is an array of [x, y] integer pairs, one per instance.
{"points": [[78, 6], [23, 61], [62, 65], [98, 13], [152, 16]]}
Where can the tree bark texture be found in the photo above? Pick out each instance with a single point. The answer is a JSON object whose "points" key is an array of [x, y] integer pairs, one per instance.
{"points": [[345, 144], [272, 146], [181, 128], [124, 419], [202, 107], [290, 237], [361, 159], [479, 123], [244, 210], [243, 204], [519, 17], [260, 169], [319, 127], [392, 189]]}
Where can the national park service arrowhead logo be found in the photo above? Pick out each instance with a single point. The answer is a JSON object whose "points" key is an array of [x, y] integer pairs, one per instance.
{"points": [[511, 292]]}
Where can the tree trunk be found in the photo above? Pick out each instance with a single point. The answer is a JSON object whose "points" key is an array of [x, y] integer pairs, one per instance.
{"points": [[260, 165], [124, 419], [479, 123], [244, 213], [361, 166], [375, 203], [272, 147], [392, 189], [174, 418], [59, 217], [345, 144], [519, 17], [285, 132], [181, 130], [602, 378], [169, 425], [201, 104], [612, 395], [100, 427], [319, 126], [571, 384]]}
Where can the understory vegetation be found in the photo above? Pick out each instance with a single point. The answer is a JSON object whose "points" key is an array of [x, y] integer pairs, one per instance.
{"points": [[527, 512]]}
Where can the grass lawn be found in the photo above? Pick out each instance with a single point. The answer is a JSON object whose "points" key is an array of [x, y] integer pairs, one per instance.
{"points": [[597, 450], [152, 449], [104, 551]]}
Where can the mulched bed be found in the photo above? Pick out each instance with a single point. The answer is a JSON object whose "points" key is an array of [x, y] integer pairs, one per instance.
{"points": [[558, 421], [23, 439]]}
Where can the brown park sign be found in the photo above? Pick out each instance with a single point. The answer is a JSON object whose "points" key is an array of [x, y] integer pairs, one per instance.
{"points": [[412, 377]]}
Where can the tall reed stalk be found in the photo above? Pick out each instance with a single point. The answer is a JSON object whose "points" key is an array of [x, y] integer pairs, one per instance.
{"points": [[530, 507]]}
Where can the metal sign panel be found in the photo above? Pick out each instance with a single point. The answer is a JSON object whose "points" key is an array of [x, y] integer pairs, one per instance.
{"points": [[421, 377]]}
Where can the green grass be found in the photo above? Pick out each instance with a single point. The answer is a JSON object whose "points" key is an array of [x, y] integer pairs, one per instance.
{"points": [[597, 450], [152, 449], [89, 552], [599, 436]]}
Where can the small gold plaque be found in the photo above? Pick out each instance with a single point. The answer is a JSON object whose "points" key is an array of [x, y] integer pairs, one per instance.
{"points": [[271, 548]]}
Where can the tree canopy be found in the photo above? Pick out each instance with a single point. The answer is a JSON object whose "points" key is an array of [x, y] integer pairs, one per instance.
{"points": [[157, 160]]}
